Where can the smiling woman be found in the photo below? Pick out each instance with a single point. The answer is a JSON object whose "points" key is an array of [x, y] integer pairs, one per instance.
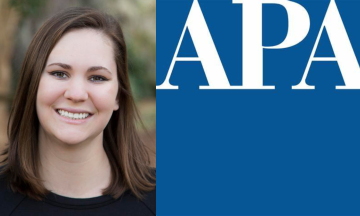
{"points": [[73, 145]]}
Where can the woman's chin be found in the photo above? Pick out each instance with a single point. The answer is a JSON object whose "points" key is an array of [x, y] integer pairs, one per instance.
{"points": [[71, 139]]}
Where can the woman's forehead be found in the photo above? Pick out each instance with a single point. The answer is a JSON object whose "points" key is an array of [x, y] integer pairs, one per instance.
{"points": [[82, 47]]}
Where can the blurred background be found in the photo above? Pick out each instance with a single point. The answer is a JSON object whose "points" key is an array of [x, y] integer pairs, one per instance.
{"points": [[20, 19]]}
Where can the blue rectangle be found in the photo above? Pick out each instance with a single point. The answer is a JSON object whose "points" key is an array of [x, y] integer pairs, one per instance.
{"points": [[256, 152]]}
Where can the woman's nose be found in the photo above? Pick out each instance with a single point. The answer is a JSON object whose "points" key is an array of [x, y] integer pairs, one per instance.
{"points": [[76, 91]]}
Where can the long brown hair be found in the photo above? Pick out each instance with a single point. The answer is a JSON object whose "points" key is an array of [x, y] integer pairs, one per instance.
{"points": [[129, 159]]}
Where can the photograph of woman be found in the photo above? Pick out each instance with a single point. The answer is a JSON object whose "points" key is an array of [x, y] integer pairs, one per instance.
{"points": [[73, 143]]}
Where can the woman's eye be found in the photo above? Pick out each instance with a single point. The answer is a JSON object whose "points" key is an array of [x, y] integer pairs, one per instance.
{"points": [[63, 75], [98, 79], [59, 74]]}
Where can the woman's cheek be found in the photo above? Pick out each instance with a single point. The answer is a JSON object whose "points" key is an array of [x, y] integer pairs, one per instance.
{"points": [[49, 90], [105, 98]]}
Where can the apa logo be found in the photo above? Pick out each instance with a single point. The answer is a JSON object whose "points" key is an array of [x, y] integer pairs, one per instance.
{"points": [[252, 71]]}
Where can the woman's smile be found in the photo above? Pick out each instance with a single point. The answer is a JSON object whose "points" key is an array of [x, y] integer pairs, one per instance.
{"points": [[73, 117]]}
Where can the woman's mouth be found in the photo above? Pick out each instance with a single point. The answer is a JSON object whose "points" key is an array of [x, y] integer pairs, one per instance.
{"points": [[73, 116]]}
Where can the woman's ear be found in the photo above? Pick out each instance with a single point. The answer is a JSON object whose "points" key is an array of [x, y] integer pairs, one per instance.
{"points": [[116, 106]]}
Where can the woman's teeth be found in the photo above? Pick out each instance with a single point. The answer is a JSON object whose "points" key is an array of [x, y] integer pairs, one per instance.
{"points": [[73, 115]]}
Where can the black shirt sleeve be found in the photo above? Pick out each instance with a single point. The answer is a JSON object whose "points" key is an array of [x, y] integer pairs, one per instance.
{"points": [[8, 200]]}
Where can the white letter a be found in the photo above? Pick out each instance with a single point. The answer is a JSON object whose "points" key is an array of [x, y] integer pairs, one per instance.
{"points": [[205, 48], [343, 51]]}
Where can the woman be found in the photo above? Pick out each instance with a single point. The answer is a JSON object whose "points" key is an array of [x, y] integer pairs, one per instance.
{"points": [[73, 146]]}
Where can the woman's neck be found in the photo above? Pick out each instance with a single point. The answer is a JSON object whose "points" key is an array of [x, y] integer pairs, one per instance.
{"points": [[78, 171]]}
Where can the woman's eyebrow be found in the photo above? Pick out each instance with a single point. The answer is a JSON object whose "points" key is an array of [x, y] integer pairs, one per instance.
{"points": [[91, 69]]}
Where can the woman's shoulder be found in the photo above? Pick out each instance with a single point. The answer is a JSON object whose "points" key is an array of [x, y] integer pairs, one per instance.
{"points": [[8, 199], [133, 206], [148, 201]]}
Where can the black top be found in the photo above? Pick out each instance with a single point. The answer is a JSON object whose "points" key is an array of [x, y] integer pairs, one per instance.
{"points": [[15, 204]]}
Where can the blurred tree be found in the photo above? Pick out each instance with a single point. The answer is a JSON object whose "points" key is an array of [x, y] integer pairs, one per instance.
{"points": [[27, 7], [9, 19]]}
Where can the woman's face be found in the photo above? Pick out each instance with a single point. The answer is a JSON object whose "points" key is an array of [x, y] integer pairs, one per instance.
{"points": [[78, 87]]}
